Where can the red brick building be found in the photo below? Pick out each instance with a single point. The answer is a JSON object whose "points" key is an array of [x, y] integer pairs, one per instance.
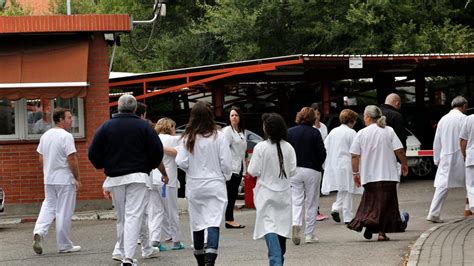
{"points": [[48, 62]]}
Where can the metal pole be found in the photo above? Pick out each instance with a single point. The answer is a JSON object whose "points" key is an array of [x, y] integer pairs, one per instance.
{"points": [[68, 6]]}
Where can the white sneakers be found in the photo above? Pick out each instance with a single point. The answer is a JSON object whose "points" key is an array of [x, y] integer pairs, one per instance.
{"points": [[38, 243], [71, 250], [129, 262], [38, 246], [153, 254], [295, 237], [434, 219], [311, 239]]}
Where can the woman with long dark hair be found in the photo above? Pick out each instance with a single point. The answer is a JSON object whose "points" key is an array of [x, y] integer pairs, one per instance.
{"points": [[235, 134], [204, 155], [273, 163]]}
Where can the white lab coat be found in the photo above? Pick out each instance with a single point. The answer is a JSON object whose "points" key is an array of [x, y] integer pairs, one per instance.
{"points": [[447, 151], [323, 130], [376, 147], [238, 144], [207, 169], [467, 133], [338, 168], [272, 194]]}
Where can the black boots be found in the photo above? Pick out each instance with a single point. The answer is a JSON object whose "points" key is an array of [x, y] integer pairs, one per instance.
{"points": [[200, 259], [210, 259]]}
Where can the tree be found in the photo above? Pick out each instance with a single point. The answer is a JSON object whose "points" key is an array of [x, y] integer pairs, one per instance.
{"points": [[208, 32]]}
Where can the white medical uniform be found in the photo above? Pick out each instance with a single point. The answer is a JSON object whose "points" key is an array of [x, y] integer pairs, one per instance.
{"points": [[207, 169], [338, 170], [130, 196], [59, 187], [467, 133], [448, 157], [378, 161], [272, 194], [163, 211]]}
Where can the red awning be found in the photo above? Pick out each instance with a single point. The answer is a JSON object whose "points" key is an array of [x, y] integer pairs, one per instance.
{"points": [[43, 66]]}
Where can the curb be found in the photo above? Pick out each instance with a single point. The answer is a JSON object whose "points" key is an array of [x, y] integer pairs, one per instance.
{"points": [[416, 248]]}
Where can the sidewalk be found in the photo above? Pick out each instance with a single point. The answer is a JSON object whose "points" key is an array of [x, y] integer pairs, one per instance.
{"points": [[446, 244], [93, 215]]}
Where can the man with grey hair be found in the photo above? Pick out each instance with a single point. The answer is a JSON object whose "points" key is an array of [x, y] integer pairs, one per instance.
{"points": [[448, 157], [127, 148]]}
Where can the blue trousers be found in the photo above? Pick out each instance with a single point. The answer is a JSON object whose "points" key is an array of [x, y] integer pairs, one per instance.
{"points": [[212, 240], [276, 245]]}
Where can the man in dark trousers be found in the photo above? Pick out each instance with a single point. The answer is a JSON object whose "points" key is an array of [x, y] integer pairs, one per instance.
{"points": [[390, 109]]}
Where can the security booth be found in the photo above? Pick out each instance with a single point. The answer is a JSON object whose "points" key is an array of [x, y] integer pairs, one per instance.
{"points": [[48, 62]]}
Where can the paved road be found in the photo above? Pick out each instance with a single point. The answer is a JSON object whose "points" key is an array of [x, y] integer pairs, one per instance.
{"points": [[337, 246]]}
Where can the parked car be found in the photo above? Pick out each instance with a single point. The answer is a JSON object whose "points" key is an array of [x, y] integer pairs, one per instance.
{"points": [[2, 200], [420, 164], [252, 140]]}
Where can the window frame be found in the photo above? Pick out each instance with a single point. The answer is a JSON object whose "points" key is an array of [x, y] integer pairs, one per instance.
{"points": [[21, 121]]}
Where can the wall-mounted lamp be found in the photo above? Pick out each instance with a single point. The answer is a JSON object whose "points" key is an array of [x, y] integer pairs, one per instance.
{"points": [[159, 10]]}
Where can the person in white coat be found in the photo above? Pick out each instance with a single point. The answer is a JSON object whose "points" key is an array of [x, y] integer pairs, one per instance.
{"points": [[374, 166], [235, 134], [58, 155], [273, 163], [205, 156], [324, 133], [338, 168], [163, 206], [467, 149], [448, 157]]}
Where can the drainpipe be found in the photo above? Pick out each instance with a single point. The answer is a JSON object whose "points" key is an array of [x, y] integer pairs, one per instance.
{"points": [[68, 6]]}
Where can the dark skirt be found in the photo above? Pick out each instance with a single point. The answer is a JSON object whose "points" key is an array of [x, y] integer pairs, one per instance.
{"points": [[378, 209]]}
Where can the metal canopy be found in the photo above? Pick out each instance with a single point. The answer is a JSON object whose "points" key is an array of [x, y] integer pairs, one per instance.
{"points": [[304, 68]]}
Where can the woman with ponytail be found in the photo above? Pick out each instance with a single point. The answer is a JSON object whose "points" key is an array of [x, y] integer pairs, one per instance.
{"points": [[374, 166], [273, 163]]}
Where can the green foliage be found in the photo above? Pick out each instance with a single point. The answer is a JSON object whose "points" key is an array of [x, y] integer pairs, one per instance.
{"points": [[15, 9], [207, 32]]}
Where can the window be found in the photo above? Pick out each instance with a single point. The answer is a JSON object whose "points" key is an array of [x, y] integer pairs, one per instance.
{"points": [[29, 119], [7, 118]]}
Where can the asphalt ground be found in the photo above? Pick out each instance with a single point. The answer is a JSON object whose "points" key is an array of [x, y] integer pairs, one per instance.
{"points": [[337, 246]]}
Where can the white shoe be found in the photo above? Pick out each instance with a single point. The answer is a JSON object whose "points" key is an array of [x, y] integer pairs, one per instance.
{"points": [[73, 249], [129, 262], [434, 219], [311, 239], [117, 257], [295, 237], [153, 254], [38, 243]]}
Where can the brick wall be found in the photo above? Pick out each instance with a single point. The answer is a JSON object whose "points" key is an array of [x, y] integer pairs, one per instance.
{"points": [[21, 174]]}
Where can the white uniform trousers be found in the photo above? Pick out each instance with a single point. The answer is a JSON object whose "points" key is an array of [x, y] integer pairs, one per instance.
{"points": [[470, 185], [171, 204], [130, 202], [158, 221], [305, 187], [440, 195], [344, 202], [59, 203]]}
